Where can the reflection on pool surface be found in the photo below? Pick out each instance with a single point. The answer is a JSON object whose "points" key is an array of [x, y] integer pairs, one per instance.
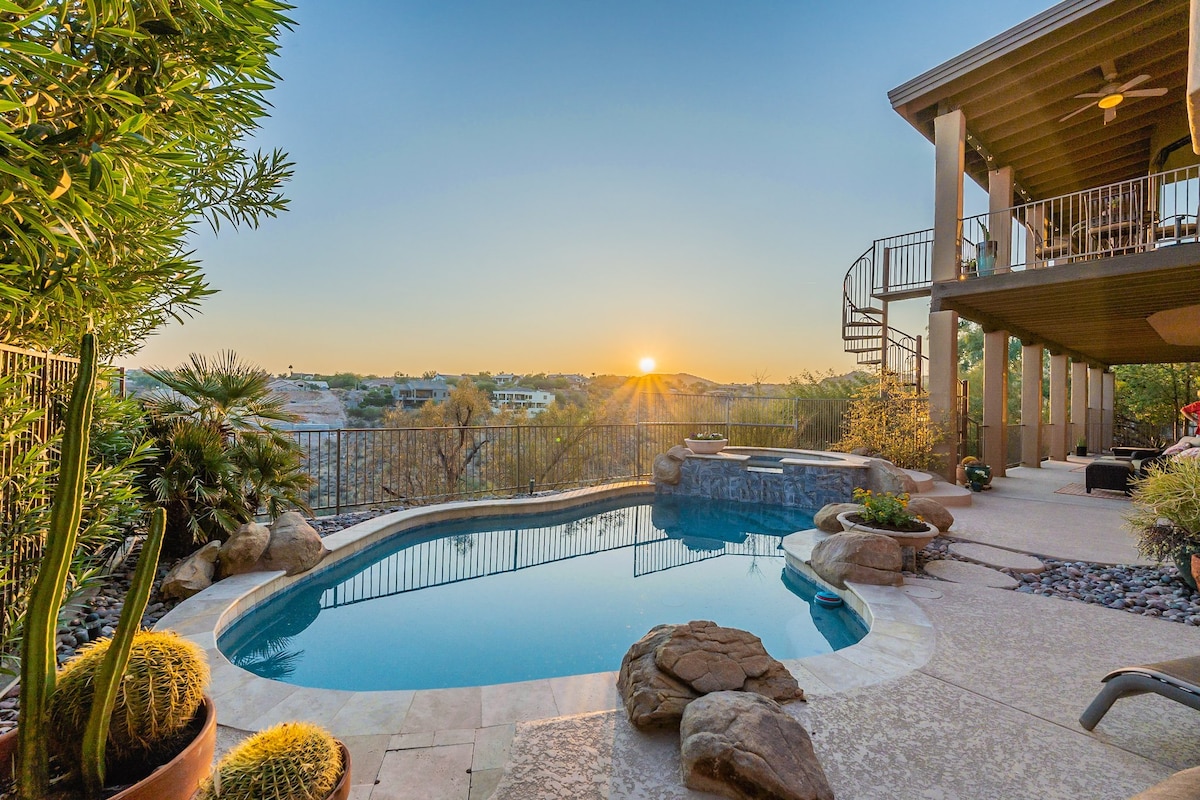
{"points": [[517, 598]]}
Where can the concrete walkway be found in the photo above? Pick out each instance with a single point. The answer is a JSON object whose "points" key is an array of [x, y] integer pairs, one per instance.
{"points": [[1022, 512]]}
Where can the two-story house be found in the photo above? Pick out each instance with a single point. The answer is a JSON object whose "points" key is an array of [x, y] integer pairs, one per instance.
{"points": [[533, 401], [1076, 124]]}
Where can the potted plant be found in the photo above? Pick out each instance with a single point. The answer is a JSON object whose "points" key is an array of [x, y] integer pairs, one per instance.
{"points": [[1166, 515], [116, 680], [707, 443], [290, 761], [887, 513], [1081, 446], [976, 475], [985, 253]]}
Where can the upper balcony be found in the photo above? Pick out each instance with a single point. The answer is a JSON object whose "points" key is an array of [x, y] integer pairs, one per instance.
{"points": [[1123, 218]]}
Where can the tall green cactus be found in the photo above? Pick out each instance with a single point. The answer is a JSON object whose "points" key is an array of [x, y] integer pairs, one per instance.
{"points": [[45, 601], [108, 678]]}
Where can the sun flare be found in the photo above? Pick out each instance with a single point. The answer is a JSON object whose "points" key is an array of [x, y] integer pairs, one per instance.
{"points": [[647, 365]]}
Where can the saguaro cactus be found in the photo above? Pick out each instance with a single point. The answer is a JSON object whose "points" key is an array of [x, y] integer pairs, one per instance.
{"points": [[45, 601], [108, 678]]}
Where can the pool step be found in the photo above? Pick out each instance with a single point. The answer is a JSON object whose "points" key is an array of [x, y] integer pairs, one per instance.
{"points": [[949, 495]]}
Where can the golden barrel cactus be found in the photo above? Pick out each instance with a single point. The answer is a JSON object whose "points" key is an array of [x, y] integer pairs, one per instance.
{"points": [[158, 697], [291, 761]]}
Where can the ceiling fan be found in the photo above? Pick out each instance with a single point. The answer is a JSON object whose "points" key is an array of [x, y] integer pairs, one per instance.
{"points": [[1113, 94]]}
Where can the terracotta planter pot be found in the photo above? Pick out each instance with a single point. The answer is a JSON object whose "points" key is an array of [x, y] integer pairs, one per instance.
{"points": [[706, 447], [342, 790], [178, 779]]}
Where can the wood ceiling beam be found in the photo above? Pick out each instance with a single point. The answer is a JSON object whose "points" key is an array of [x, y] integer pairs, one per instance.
{"points": [[1098, 161], [1163, 52], [1034, 109], [1028, 41]]}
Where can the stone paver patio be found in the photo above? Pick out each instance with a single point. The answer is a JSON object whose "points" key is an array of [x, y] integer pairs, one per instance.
{"points": [[987, 707]]}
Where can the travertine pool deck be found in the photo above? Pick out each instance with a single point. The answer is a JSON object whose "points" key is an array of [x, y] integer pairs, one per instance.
{"points": [[959, 692]]}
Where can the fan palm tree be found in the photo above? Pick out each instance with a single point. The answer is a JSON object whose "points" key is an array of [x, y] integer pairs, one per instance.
{"points": [[221, 461]]}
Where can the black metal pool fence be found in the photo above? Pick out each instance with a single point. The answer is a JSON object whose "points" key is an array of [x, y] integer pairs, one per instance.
{"points": [[360, 467]]}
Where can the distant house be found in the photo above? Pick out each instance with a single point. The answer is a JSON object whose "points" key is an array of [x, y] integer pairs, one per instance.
{"points": [[534, 401], [505, 378], [416, 393], [301, 384]]}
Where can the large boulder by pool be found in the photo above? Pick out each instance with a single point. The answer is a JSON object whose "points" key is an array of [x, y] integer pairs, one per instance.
{"points": [[243, 549], [932, 512], [859, 557], [193, 574], [884, 476], [294, 546], [672, 665], [744, 746], [826, 519]]}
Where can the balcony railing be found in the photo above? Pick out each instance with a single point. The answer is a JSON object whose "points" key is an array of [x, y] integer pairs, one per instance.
{"points": [[1132, 216]]}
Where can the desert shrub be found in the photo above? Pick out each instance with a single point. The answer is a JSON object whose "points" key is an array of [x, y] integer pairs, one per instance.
{"points": [[892, 420]]}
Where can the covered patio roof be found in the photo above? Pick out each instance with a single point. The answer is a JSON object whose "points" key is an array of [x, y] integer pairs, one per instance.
{"points": [[1095, 311], [1016, 87]]}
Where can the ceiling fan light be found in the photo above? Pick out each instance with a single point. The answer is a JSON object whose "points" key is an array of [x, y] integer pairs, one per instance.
{"points": [[1111, 101]]}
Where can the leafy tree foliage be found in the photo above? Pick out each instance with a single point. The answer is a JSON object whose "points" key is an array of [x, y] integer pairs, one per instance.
{"points": [[121, 128], [1149, 396]]}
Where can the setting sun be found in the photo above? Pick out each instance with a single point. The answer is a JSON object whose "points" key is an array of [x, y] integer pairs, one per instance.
{"points": [[647, 365]]}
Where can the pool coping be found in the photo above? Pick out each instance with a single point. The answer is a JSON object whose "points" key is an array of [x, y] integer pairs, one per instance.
{"points": [[900, 639]]}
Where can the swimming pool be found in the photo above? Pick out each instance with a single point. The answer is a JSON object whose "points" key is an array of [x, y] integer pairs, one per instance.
{"points": [[497, 600]]}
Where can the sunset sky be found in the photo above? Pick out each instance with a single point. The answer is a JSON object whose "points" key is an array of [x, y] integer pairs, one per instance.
{"points": [[570, 186]]}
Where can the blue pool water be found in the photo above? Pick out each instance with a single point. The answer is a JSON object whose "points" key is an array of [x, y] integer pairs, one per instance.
{"points": [[510, 599]]}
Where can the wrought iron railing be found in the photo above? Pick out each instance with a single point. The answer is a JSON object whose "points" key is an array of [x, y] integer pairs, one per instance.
{"points": [[892, 268], [380, 466], [34, 381], [1132, 216]]}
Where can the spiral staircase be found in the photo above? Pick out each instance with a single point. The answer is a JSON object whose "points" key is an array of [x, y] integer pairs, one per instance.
{"points": [[891, 269]]}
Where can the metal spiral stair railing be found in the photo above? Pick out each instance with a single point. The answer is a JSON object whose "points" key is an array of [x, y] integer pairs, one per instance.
{"points": [[865, 295]]}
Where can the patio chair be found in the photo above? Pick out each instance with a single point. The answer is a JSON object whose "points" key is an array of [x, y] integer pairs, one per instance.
{"points": [[1178, 680]]}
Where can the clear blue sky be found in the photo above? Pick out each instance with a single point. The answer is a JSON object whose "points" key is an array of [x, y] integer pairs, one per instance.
{"points": [[568, 186]]}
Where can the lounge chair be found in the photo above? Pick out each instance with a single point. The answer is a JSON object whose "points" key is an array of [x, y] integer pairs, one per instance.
{"points": [[1178, 680]]}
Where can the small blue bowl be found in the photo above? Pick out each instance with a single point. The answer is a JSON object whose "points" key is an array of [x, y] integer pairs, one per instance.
{"points": [[828, 599]]}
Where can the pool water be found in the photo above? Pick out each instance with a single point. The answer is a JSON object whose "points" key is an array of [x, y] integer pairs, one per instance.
{"points": [[519, 598]]}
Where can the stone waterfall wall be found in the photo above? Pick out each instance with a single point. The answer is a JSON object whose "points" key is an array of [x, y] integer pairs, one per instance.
{"points": [[800, 485]]}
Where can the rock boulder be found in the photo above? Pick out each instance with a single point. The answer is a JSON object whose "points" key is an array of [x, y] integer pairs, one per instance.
{"points": [[861, 557], [193, 574], [744, 746], [826, 519], [294, 546], [887, 477], [932, 512], [672, 665], [243, 549], [653, 699]]}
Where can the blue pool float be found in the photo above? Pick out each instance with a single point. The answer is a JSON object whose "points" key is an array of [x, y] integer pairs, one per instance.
{"points": [[828, 599]]}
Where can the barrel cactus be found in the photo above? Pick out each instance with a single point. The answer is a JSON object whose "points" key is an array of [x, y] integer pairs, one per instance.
{"points": [[158, 697], [292, 761]]}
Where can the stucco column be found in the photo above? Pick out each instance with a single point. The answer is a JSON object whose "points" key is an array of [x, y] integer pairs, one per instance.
{"points": [[1031, 405], [1079, 402], [943, 387], [1060, 427], [1000, 196], [950, 137], [1107, 406], [1193, 75], [1095, 379], [995, 400]]}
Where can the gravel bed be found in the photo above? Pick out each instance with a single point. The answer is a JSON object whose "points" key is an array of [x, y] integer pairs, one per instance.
{"points": [[1150, 591]]}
